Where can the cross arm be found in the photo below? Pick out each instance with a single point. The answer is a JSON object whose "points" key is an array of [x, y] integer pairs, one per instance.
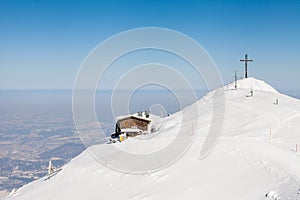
{"points": [[246, 60]]}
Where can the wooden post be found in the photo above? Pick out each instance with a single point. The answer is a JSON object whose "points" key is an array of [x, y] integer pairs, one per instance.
{"points": [[235, 80]]}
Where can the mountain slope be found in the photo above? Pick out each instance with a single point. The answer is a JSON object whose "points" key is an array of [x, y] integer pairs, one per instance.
{"points": [[255, 157]]}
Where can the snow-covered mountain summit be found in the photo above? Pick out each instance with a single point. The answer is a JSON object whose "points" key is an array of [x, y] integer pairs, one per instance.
{"points": [[253, 83], [255, 157]]}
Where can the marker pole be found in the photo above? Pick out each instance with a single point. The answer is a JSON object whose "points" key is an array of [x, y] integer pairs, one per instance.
{"points": [[192, 128]]}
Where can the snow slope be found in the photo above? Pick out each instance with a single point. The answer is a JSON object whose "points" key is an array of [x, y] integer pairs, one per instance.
{"points": [[255, 157], [3, 194], [255, 84]]}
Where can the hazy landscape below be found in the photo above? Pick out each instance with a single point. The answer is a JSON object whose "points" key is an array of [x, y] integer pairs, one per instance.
{"points": [[36, 125], [257, 146]]}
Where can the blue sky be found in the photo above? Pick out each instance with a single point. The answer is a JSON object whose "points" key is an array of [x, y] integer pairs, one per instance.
{"points": [[44, 42]]}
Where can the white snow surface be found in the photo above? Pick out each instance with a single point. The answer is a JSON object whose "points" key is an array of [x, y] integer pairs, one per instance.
{"points": [[3, 194], [255, 158], [255, 84]]}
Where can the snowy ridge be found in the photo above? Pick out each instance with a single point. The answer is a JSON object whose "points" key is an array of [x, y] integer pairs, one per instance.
{"points": [[254, 159], [253, 83]]}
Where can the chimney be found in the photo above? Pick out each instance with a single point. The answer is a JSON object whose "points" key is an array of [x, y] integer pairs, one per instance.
{"points": [[140, 114], [147, 114]]}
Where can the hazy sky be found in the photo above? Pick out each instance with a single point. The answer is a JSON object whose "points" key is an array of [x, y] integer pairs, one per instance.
{"points": [[44, 42]]}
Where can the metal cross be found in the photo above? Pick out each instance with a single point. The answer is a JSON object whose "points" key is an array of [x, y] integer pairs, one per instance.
{"points": [[246, 68]]}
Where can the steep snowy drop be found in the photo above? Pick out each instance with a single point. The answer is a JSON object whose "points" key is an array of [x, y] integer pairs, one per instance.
{"points": [[255, 157]]}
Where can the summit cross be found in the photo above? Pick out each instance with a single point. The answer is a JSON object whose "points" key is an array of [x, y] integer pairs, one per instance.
{"points": [[246, 67]]}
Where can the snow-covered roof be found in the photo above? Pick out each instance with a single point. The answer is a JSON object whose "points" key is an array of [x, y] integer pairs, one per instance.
{"points": [[134, 116]]}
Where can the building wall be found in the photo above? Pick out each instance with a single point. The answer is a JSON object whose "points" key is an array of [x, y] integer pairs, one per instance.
{"points": [[131, 122]]}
